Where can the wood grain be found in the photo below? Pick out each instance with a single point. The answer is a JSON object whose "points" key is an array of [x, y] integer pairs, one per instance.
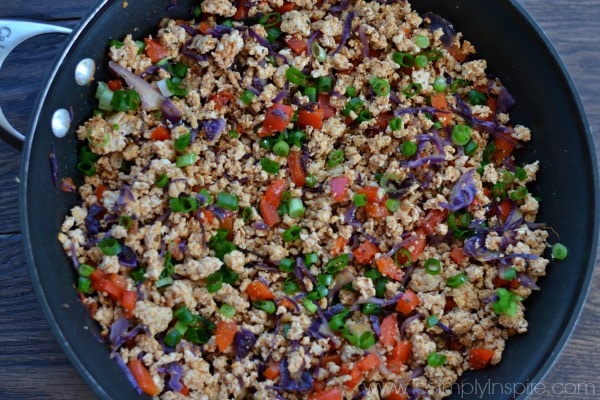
{"points": [[32, 365]]}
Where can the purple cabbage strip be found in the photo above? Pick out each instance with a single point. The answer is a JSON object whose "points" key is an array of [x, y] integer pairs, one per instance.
{"points": [[375, 323], [527, 281], [505, 101], [313, 36], [244, 341], [345, 32], [364, 41], [464, 111], [189, 30], [286, 383], [381, 302], [338, 8], [407, 321], [419, 371], [213, 128], [417, 110], [92, 224], [175, 372], [438, 22], [350, 217], [186, 51], [419, 162], [219, 31], [463, 192], [125, 197], [127, 257], [53, 165]]}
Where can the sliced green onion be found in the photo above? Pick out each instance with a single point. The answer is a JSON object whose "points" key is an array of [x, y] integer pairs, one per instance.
{"points": [[436, 359], [270, 20], [310, 306], [87, 168], [338, 321], [247, 97], [273, 34], [232, 133], [433, 55], [470, 148], [179, 69], [116, 44], [176, 87], [421, 61], [296, 208], [281, 148], [292, 233], [269, 166], [267, 306], [396, 124], [380, 287], [185, 160], [184, 315], [359, 199], [287, 265], [476, 98], [182, 142], [461, 134], [196, 12], [457, 280], [109, 246], [319, 292], [84, 284], [518, 194], [85, 269], [173, 337], [367, 340], [507, 303], [337, 264], [403, 59], [228, 201], [311, 180], [125, 100], [247, 214], [214, 282], [520, 173], [509, 274], [422, 41], [125, 221], [207, 198], [380, 86], [431, 321], [166, 281], [559, 251], [403, 257], [412, 89], [392, 205], [311, 93], [325, 84], [141, 45], [371, 308], [432, 266], [318, 52], [183, 204], [350, 91], [354, 104], [458, 83], [294, 138], [295, 76], [290, 286], [439, 84], [334, 158], [161, 181], [364, 115], [286, 196], [499, 191], [408, 149], [373, 274], [324, 279], [138, 275]]}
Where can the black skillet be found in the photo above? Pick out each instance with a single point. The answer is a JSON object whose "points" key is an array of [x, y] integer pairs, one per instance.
{"points": [[517, 52]]}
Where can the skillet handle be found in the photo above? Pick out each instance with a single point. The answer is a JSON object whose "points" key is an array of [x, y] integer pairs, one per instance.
{"points": [[13, 32]]}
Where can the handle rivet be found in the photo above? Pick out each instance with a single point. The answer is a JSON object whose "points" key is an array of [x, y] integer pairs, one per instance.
{"points": [[61, 122]]}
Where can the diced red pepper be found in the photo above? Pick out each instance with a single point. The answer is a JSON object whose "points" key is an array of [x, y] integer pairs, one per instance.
{"points": [[297, 172], [143, 377], [365, 253], [389, 330], [312, 118], [160, 133], [224, 334], [339, 188], [408, 302], [480, 358], [155, 50], [258, 290], [277, 118], [388, 267], [298, 46], [432, 220], [325, 105]]}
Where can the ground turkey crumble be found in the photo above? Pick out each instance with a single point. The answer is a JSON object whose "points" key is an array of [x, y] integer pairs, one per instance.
{"points": [[304, 199]]}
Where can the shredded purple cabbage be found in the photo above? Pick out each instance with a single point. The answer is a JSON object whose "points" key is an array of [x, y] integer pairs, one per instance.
{"points": [[213, 128], [527, 281], [345, 32], [92, 224], [505, 101], [350, 217], [53, 165], [127, 257], [286, 383], [364, 41], [175, 372], [126, 197], [244, 341], [407, 322], [463, 193], [338, 8], [376, 326], [438, 22], [186, 51], [419, 162]]}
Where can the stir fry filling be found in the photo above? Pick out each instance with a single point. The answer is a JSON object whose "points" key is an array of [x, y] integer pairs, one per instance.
{"points": [[306, 199]]}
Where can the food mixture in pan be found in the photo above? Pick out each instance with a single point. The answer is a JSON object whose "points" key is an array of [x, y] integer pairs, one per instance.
{"points": [[306, 199]]}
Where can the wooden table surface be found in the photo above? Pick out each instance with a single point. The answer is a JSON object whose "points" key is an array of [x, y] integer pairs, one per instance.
{"points": [[33, 366]]}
